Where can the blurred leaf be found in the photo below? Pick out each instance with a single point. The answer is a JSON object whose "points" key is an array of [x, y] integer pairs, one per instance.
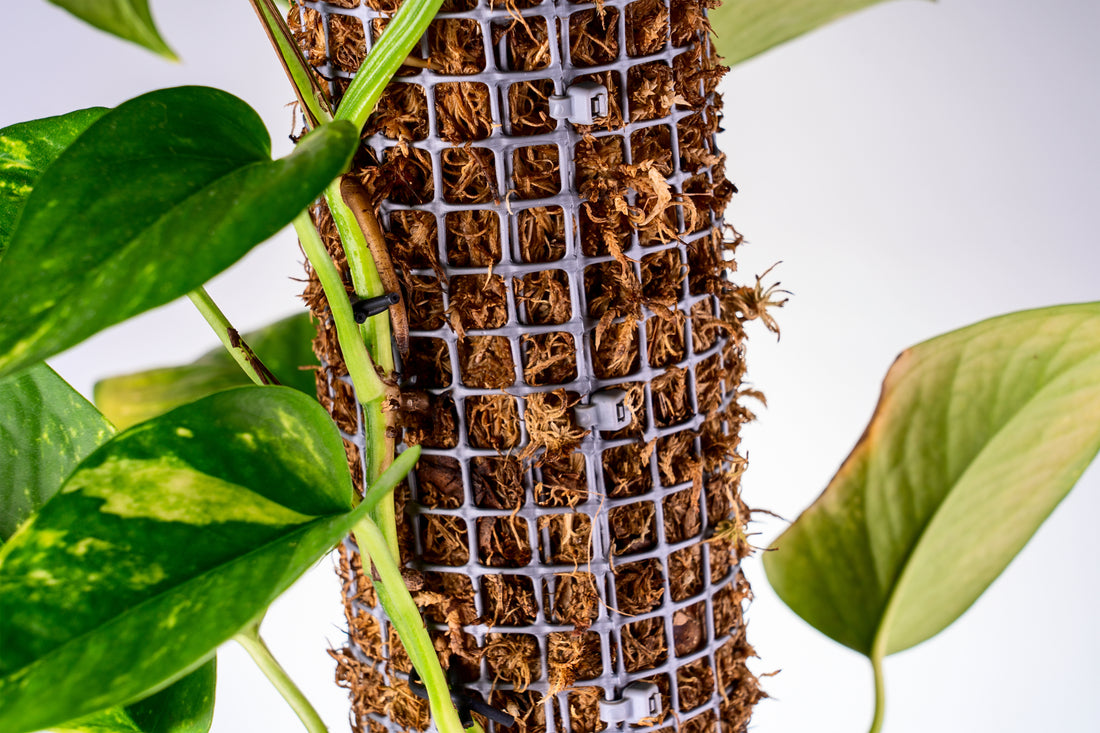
{"points": [[154, 199], [162, 545], [977, 436], [745, 28], [284, 347], [26, 149], [127, 19], [184, 707], [46, 429]]}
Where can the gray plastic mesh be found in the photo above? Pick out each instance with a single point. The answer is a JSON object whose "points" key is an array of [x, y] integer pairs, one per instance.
{"points": [[669, 548]]}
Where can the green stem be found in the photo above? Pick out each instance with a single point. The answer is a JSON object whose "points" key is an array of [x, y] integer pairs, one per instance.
{"points": [[368, 385], [250, 639], [405, 618], [401, 35], [240, 351], [880, 692], [311, 94]]}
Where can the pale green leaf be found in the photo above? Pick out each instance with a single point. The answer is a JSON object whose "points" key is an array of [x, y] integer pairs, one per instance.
{"points": [[162, 545], [186, 706], [46, 429], [127, 19], [154, 199], [284, 347], [745, 28], [26, 149], [977, 436]]}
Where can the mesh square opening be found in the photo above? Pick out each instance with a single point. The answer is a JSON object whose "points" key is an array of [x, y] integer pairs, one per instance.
{"points": [[671, 400], [409, 173], [654, 145], [443, 538], [497, 482], [439, 482], [633, 528], [626, 470], [727, 610], [521, 45], [695, 135], [705, 327], [639, 587], [459, 592], [432, 422], [540, 234], [536, 173], [651, 91], [543, 298], [685, 573], [594, 37], [527, 708], [509, 600], [549, 358], [469, 176], [473, 237], [704, 257], [529, 107], [462, 111], [413, 239], [565, 539], [456, 46], [428, 365], [609, 287], [696, 685], [477, 301], [423, 302], [664, 333], [644, 644], [572, 598], [663, 275], [347, 38], [513, 658], [486, 362], [562, 481], [574, 657], [646, 27], [616, 354], [708, 383], [503, 542], [401, 113], [492, 421], [584, 711], [683, 516], [677, 460]]}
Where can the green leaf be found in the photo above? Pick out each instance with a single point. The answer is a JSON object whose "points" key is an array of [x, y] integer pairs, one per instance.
{"points": [[284, 347], [184, 707], [46, 429], [26, 149], [162, 545], [154, 199], [977, 436], [746, 28], [127, 19]]}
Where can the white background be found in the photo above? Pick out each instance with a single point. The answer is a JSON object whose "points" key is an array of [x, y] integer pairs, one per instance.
{"points": [[917, 167]]}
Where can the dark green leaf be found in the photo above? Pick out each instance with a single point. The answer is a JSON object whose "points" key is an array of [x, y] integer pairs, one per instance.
{"points": [[284, 347], [976, 438], [184, 707], [162, 545], [154, 199], [46, 429], [128, 19], [25, 151], [745, 28]]}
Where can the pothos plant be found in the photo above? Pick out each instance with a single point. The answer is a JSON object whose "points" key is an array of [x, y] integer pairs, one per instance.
{"points": [[130, 556]]}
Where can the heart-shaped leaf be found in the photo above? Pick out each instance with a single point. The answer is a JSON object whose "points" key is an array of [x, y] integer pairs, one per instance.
{"points": [[155, 198], [25, 151], [746, 28], [128, 19], [977, 436], [284, 347], [184, 707], [46, 429], [162, 545]]}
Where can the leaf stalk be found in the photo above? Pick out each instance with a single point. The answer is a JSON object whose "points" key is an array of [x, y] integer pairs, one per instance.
{"points": [[241, 352], [250, 640]]}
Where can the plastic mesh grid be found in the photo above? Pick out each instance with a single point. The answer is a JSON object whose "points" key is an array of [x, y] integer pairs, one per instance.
{"points": [[523, 537]]}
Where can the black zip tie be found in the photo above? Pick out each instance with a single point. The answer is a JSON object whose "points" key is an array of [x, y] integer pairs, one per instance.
{"points": [[466, 702], [368, 307]]}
